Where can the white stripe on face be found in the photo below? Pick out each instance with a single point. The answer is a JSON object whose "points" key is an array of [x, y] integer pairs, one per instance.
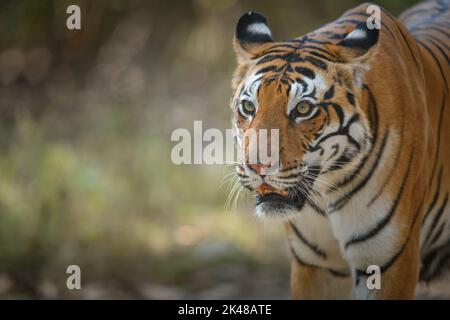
{"points": [[297, 93], [250, 92]]}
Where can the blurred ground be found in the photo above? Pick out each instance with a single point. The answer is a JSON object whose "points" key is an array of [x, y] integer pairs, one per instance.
{"points": [[85, 171]]}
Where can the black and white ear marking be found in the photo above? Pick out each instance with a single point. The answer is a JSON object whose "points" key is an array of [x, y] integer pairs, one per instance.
{"points": [[357, 50], [361, 37], [251, 32], [252, 28]]}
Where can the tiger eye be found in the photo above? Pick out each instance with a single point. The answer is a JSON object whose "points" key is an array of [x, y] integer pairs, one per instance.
{"points": [[248, 108], [303, 108]]}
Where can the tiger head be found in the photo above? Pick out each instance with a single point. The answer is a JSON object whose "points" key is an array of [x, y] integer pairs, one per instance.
{"points": [[310, 89]]}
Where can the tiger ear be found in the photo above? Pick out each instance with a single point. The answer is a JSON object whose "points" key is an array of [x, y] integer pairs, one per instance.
{"points": [[358, 44], [357, 49], [252, 32]]}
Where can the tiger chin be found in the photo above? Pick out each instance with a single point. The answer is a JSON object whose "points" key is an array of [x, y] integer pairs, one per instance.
{"points": [[364, 133]]}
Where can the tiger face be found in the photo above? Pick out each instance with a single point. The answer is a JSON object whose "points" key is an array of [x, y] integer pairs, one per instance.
{"points": [[309, 89]]}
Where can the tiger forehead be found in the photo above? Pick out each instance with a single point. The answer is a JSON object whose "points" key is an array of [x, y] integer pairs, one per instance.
{"points": [[292, 70], [287, 67], [285, 58], [296, 81]]}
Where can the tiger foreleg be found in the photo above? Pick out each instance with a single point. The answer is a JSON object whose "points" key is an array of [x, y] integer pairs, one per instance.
{"points": [[396, 280], [309, 282]]}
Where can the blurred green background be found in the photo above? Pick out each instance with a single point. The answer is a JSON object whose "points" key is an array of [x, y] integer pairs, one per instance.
{"points": [[85, 170]]}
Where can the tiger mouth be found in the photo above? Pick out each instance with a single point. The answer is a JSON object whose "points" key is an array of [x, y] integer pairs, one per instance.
{"points": [[271, 196]]}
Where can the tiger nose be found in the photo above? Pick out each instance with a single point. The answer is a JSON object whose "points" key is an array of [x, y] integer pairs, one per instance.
{"points": [[258, 168]]}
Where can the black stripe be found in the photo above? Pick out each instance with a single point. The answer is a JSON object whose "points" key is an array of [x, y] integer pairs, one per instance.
{"points": [[350, 98], [373, 114], [373, 121], [283, 45], [444, 32], [316, 208], [338, 109], [409, 47], [271, 51], [302, 82], [427, 28], [435, 197], [436, 219], [436, 43], [329, 94], [392, 171], [332, 55], [316, 62], [394, 258], [335, 147], [438, 234], [338, 274], [314, 248], [383, 223], [437, 62], [438, 258], [410, 50], [340, 162], [311, 95], [306, 72], [385, 267], [319, 55], [441, 113], [288, 57], [342, 201], [391, 261], [426, 263], [439, 41], [242, 176], [291, 176], [266, 69], [306, 264]]}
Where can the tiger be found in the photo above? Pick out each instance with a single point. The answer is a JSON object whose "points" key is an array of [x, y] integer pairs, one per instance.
{"points": [[363, 120]]}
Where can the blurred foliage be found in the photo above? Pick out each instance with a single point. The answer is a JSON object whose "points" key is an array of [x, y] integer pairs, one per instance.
{"points": [[85, 171]]}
